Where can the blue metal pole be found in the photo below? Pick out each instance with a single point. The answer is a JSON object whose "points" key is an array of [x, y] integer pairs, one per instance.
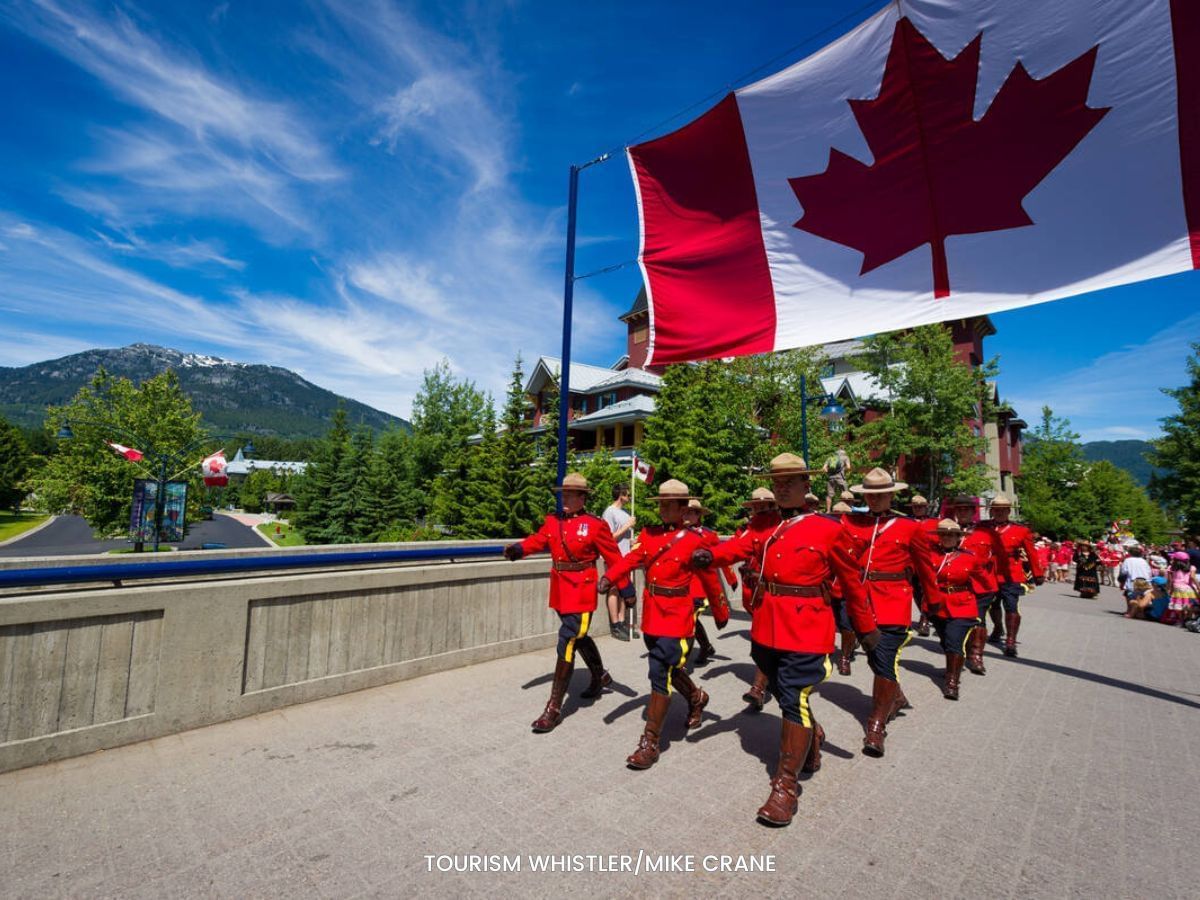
{"points": [[804, 419], [564, 384]]}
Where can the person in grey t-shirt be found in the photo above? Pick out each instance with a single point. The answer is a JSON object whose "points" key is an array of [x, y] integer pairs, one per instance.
{"points": [[620, 523]]}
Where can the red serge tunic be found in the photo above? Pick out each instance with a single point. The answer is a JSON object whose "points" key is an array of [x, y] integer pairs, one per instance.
{"points": [[981, 540], [890, 550], [805, 551], [711, 539], [1015, 538], [666, 554], [954, 597], [574, 543]]}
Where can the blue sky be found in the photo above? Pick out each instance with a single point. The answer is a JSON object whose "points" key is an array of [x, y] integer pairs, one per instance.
{"points": [[355, 189]]}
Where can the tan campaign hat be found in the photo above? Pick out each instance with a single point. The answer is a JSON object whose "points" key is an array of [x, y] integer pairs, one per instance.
{"points": [[788, 464], [918, 500], [759, 496], [949, 526], [674, 489], [878, 481], [842, 507], [574, 482], [1002, 501], [694, 503]]}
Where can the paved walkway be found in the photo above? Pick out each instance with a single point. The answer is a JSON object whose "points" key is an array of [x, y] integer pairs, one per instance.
{"points": [[1062, 774], [72, 536]]}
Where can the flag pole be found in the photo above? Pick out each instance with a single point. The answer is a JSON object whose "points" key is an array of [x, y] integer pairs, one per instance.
{"points": [[564, 382], [633, 485]]}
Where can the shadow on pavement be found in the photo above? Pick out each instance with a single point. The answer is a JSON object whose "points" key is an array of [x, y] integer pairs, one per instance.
{"points": [[847, 697], [1105, 680]]}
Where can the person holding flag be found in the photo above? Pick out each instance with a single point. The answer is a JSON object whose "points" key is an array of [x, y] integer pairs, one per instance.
{"points": [[575, 539], [797, 554]]}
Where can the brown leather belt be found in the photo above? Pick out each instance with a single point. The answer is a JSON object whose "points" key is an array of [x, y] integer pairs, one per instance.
{"points": [[662, 590], [794, 590], [567, 566], [887, 576], [962, 587]]}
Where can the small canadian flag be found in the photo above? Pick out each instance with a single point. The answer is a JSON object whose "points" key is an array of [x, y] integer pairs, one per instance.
{"points": [[212, 468], [128, 452], [642, 470]]}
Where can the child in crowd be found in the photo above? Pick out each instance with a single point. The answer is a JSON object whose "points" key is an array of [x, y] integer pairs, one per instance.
{"points": [[1181, 577]]}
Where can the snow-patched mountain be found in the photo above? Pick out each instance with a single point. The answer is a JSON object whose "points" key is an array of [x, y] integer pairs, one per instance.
{"points": [[233, 396]]}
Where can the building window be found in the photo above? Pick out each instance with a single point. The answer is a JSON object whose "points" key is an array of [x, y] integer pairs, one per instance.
{"points": [[828, 370], [641, 335]]}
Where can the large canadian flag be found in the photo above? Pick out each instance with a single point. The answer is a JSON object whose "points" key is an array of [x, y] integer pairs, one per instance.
{"points": [[947, 158]]}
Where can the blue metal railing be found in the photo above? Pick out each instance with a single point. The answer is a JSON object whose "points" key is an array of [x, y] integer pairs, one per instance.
{"points": [[175, 568]]}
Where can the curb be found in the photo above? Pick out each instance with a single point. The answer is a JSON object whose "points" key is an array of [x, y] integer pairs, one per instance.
{"points": [[25, 534]]}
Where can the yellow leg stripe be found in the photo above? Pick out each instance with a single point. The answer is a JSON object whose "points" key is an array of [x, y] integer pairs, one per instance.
{"points": [[966, 641], [908, 636], [805, 711], [584, 620]]}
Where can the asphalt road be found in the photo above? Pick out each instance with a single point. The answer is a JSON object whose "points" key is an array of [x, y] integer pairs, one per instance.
{"points": [[71, 536]]}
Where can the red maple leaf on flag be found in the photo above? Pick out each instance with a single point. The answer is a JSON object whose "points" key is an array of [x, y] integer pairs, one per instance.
{"points": [[937, 171]]}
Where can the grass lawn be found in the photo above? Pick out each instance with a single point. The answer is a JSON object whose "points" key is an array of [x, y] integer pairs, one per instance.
{"points": [[12, 524], [288, 536]]}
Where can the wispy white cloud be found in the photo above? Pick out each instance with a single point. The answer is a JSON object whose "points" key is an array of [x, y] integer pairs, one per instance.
{"points": [[180, 254], [206, 138]]}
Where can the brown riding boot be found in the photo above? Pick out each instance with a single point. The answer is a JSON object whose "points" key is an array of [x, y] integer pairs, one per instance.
{"points": [[1012, 621], [899, 704], [756, 695], [646, 753], [975, 650], [923, 625], [558, 689], [847, 654], [813, 762], [600, 678], [696, 698], [997, 635], [954, 664], [884, 698], [793, 748]]}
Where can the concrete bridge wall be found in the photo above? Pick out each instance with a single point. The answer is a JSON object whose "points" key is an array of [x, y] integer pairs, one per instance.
{"points": [[88, 669]]}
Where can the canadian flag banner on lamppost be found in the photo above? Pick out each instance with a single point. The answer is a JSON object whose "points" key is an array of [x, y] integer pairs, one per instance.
{"points": [[942, 160], [213, 468], [128, 452]]}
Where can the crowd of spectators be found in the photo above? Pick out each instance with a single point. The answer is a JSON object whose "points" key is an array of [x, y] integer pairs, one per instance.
{"points": [[1159, 582]]}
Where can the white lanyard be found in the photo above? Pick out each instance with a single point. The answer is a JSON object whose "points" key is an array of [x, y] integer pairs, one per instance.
{"points": [[875, 533]]}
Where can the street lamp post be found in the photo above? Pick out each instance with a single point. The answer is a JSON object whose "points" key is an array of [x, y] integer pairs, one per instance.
{"points": [[166, 461], [831, 412]]}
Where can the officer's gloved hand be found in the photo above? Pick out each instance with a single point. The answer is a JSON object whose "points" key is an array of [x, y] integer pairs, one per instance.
{"points": [[702, 559], [514, 551], [603, 586], [870, 640]]}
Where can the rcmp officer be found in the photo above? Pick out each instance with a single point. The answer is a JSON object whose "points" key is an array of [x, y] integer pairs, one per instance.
{"points": [[890, 550], [692, 515], [575, 538], [952, 607], [761, 501], [980, 539], [792, 625], [1015, 539], [668, 620]]}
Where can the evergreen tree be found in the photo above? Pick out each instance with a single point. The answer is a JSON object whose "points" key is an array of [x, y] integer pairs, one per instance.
{"points": [[446, 412], [16, 456], [1178, 488], [485, 507], [393, 483], [522, 501], [315, 489], [352, 516], [546, 469]]}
